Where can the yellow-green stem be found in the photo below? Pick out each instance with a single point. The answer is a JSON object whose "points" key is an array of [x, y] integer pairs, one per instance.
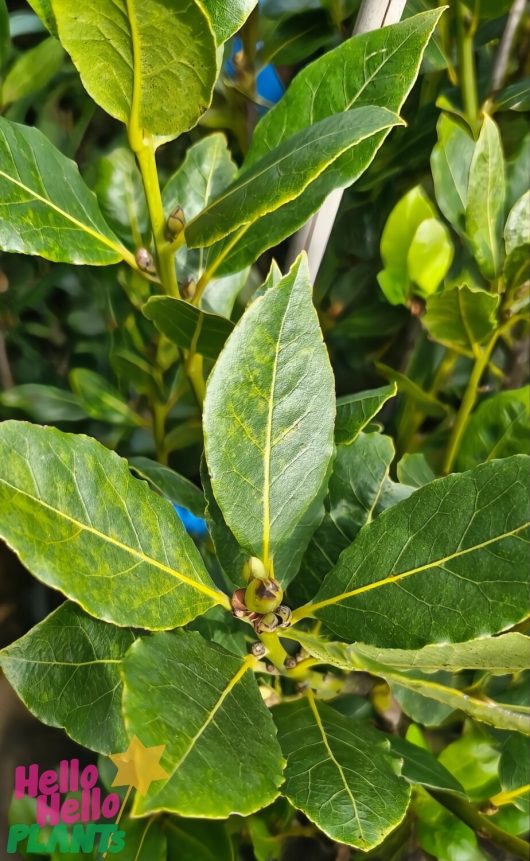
{"points": [[468, 403], [466, 61], [276, 654]]}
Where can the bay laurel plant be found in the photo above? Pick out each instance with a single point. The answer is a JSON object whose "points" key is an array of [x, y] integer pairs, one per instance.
{"points": [[325, 569]]}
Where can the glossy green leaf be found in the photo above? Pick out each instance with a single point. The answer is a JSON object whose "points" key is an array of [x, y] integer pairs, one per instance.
{"points": [[355, 412], [450, 165], [100, 400], [340, 773], [268, 416], [461, 318], [151, 64], [517, 230], [359, 474], [429, 256], [500, 427], [81, 523], [421, 767], [486, 201], [21, 80], [460, 542], [414, 470], [517, 270], [227, 17], [514, 771], [187, 326], [180, 490], [376, 68], [284, 173], [57, 220], [198, 840], [205, 704], [43, 403], [430, 404], [118, 186], [66, 670]]}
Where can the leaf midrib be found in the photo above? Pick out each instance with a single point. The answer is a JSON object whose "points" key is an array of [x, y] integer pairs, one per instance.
{"points": [[218, 597], [311, 609]]}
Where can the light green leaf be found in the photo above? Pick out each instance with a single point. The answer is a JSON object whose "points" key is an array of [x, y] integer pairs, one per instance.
{"points": [[60, 221], [429, 256], [180, 490], [500, 427], [450, 165], [21, 80], [502, 655], [405, 248], [100, 400], [66, 670], [43, 403], [517, 230], [119, 189], [284, 173], [187, 326], [461, 318], [340, 773], [408, 670], [430, 405], [355, 412], [376, 68], [81, 523], [452, 557], [414, 470], [486, 200], [150, 64], [227, 17], [268, 416], [204, 703]]}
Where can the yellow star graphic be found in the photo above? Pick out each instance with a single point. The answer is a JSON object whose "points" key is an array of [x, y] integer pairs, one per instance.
{"points": [[139, 766]]}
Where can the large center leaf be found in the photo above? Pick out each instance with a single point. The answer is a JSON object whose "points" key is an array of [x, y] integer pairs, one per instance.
{"points": [[60, 220], [66, 670], [340, 774], [269, 415], [453, 558], [82, 524], [203, 702], [150, 60]]}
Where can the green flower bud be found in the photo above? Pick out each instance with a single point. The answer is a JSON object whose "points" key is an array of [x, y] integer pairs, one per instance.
{"points": [[267, 624], [176, 222], [254, 568], [263, 596]]}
